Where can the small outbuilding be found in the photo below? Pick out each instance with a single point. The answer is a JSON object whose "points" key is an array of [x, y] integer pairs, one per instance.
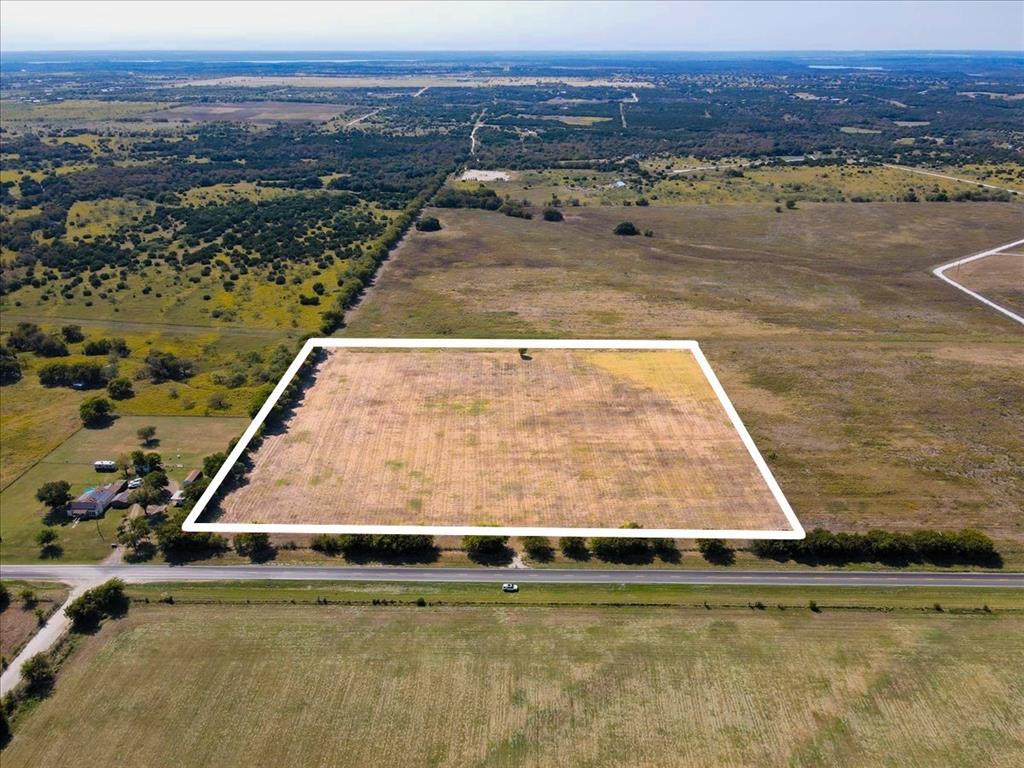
{"points": [[191, 477]]}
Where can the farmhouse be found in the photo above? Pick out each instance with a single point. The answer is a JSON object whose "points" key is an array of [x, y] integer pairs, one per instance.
{"points": [[94, 503]]}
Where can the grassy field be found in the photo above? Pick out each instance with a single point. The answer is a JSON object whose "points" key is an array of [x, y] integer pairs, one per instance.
{"points": [[999, 278], [183, 442], [558, 438], [501, 685], [879, 395]]}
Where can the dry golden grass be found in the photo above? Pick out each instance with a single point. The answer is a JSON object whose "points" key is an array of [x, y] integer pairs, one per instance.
{"points": [[567, 438], [879, 395]]}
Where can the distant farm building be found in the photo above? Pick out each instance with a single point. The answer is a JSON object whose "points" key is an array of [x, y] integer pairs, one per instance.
{"points": [[192, 477], [94, 503], [105, 466]]}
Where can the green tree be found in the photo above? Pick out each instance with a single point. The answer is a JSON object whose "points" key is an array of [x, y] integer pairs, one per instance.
{"points": [[46, 538], [428, 224], [134, 532], [146, 434], [553, 214], [574, 547], [37, 674], [487, 548], [55, 494], [626, 228], [538, 548], [120, 389], [716, 551], [94, 411], [72, 334], [255, 546]]}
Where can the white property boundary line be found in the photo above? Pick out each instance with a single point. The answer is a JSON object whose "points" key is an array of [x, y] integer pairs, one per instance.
{"points": [[939, 272], [191, 523]]}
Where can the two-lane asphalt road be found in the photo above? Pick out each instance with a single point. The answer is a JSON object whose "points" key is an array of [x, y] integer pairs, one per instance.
{"points": [[77, 574]]}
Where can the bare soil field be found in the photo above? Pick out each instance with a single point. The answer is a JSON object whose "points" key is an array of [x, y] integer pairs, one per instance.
{"points": [[555, 439], [252, 112], [516, 685], [999, 278], [879, 396], [410, 81]]}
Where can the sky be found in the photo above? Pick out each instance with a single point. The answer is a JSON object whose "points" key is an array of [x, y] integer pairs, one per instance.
{"points": [[512, 26]]}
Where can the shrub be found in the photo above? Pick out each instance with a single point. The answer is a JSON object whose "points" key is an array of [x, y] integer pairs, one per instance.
{"points": [[325, 543], [428, 224], [553, 214], [626, 228], [538, 548], [72, 334]]}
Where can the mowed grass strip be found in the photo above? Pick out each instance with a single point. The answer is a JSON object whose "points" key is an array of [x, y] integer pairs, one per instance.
{"points": [[553, 438], [471, 686]]}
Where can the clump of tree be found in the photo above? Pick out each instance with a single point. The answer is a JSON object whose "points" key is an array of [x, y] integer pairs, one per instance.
{"points": [[386, 547], [487, 549], [428, 224], [617, 549], [29, 337], [153, 490], [72, 334], [95, 411], [967, 546], [78, 375], [626, 229], [10, 367], [481, 197], [108, 600], [176, 545], [165, 366], [120, 389], [112, 346], [538, 548], [553, 214]]}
